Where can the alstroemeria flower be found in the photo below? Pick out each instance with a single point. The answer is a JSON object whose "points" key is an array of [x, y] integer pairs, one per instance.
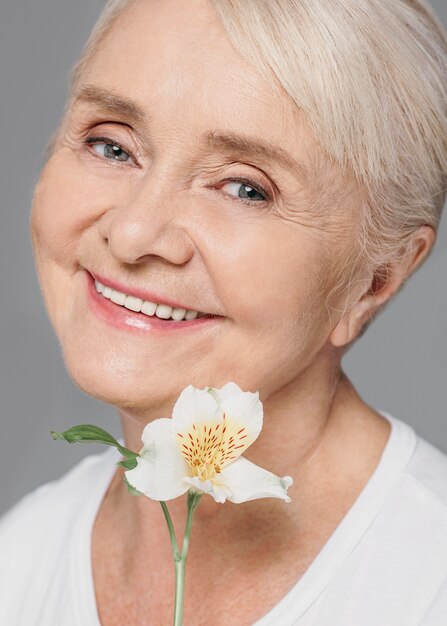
{"points": [[201, 447]]}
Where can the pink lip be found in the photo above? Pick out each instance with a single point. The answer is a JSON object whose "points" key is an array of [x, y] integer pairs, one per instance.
{"points": [[141, 293], [123, 318]]}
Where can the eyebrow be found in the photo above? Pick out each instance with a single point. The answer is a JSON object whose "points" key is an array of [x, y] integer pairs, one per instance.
{"points": [[218, 139], [111, 101]]}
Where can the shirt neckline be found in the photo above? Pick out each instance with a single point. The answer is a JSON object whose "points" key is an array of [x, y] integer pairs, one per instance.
{"points": [[395, 456]]}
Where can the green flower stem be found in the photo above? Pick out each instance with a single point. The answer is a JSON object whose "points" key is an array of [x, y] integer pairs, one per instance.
{"points": [[180, 558], [179, 590], [175, 551], [192, 504]]}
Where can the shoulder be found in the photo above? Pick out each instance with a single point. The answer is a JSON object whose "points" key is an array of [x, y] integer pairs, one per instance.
{"points": [[40, 537], [426, 479], [410, 525], [414, 519], [46, 514], [427, 470], [418, 464]]}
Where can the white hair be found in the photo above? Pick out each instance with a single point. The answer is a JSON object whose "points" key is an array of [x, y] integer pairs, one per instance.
{"points": [[370, 77]]}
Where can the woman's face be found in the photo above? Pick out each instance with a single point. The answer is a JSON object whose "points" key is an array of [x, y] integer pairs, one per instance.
{"points": [[161, 213]]}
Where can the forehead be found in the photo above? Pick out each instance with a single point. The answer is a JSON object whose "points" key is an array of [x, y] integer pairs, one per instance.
{"points": [[174, 60]]}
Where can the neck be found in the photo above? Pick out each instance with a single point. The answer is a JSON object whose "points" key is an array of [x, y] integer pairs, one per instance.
{"points": [[311, 426]]}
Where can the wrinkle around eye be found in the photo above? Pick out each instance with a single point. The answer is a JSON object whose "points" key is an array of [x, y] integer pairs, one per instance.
{"points": [[328, 222], [81, 126], [298, 206]]}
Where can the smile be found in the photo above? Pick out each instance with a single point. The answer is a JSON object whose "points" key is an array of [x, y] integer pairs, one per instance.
{"points": [[162, 311], [128, 312]]}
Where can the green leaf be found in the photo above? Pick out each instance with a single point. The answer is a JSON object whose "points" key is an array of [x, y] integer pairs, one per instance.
{"points": [[128, 463], [87, 433], [131, 488]]}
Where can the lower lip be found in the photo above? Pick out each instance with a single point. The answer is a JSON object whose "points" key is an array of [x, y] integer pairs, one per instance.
{"points": [[123, 318]]}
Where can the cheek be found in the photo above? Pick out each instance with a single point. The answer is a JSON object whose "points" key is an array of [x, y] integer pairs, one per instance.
{"points": [[68, 199], [272, 271]]}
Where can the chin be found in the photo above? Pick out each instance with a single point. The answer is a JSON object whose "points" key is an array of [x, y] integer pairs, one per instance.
{"points": [[123, 383], [110, 379]]}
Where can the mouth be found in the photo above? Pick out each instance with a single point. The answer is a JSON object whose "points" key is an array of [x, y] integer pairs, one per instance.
{"points": [[147, 307], [132, 312]]}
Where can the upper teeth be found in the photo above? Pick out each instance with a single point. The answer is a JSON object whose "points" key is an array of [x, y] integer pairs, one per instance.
{"points": [[162, 311]]}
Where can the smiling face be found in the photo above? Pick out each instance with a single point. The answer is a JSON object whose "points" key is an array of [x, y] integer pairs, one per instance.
{"points": [[160, 199]]}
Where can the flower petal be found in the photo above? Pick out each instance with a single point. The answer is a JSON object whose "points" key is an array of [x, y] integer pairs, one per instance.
{"points": [[245, 409], [160, 467], [242, 423], [228, 390], [248, 481], [194, 406], [218, 492]]}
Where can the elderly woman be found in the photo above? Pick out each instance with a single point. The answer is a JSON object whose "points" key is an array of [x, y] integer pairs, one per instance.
{"points": [[235, 190]]}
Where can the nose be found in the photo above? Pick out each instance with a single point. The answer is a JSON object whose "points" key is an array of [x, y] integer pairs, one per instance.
{"points": [[147, 224]]}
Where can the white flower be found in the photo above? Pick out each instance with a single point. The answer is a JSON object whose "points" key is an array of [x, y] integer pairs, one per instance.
{"points": [[201, 447]]}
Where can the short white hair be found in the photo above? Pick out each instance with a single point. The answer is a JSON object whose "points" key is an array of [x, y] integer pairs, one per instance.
{"points": [[370, 77]]}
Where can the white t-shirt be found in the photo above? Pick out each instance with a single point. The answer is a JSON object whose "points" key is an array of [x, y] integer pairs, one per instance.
{"points": [[385, 564]]}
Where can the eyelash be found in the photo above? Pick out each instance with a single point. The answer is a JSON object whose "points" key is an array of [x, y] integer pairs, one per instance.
{"points": [[89, 141], [249, 183]]}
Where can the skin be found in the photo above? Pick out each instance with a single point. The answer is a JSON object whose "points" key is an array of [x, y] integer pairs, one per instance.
{"points": [[270, 268]]}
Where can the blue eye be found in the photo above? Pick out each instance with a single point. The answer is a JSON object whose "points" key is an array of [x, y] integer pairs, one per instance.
{"points": [[248, 190], [113, 151]]}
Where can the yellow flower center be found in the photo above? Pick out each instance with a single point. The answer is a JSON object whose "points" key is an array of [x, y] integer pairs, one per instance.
{"points": [[208, 447]]}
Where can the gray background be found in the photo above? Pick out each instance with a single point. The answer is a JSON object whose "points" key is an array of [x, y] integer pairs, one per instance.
{"points": [[400, 365]]}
